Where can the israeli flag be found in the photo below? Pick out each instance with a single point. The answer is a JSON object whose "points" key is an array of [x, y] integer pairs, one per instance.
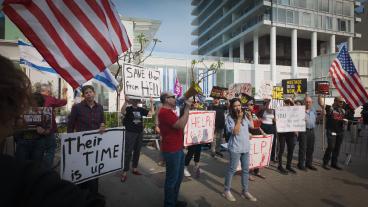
{"points": [[31, 58]]}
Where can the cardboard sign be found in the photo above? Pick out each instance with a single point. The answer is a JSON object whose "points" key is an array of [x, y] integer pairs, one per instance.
{"points": [[219, 92], [238, 88], [265, 91], [322, 87], [200, 127], [290, 119], [277, 97], [260, 151], [295, 86], [38, 116], [141, 82], [88, 155]]}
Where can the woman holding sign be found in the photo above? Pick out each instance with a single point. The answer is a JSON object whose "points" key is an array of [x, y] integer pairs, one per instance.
{"points": [[238, 123]]}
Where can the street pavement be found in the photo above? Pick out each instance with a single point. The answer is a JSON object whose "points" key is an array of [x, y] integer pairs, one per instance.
{"points": [[346, 188]]}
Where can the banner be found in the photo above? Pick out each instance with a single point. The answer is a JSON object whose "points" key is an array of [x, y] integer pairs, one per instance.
{"points": [[322, 87], [260, 151], [200, 127], [88, 155], [38, 116], [277, 97], [178, 88], [236, 89], [295, 86], [219, 92], [141, 82], [290, 119], [265, 91], [32, 59]]}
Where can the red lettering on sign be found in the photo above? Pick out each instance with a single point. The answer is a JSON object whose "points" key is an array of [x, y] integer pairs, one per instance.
{"points": [[263, 145]]}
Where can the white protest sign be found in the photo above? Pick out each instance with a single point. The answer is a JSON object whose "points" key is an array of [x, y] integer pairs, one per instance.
{"points": [[141, 82], [265, 91], [260, 151], [239, 88], [290, 119], [200, 127], [88, 155]]}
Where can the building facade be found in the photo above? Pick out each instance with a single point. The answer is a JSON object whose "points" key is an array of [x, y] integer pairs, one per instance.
{"points": [[274, 33]]}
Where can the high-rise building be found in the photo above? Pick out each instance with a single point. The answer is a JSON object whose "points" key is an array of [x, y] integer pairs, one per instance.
{"points": [[272, 32]]}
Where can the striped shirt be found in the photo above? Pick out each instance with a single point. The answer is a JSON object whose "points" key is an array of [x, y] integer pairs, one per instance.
{"points": [[85, 118]]}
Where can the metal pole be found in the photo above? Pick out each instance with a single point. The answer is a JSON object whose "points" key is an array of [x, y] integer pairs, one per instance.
{"points": [[324, 123]]}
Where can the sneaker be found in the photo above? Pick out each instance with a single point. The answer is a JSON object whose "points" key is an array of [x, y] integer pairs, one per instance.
{"points": [[229, 196], [290, 169], [311, 167], [282, 170], [325, 167], [300, 167], [248, 196], [186, 172], [197, 171], [136, 172]]}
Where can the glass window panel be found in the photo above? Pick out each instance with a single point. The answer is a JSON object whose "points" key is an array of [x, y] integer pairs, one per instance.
{"points": [[284, 2], [281, 15], [306, 19], [324, 6], [289, 16], [338, 8], [329, 23], [347, 8], [296, 17]]}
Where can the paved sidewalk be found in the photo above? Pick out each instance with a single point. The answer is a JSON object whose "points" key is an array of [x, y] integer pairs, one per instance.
{"points": [[322, 188]]}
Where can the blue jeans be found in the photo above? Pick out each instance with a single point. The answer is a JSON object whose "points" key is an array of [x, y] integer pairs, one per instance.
{"points": [[174, 176], [50, 146], [31, 149], [233, 164]]}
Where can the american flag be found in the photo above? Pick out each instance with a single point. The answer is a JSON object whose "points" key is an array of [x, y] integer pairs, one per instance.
{"points": [[78, 38], [346, 79]]}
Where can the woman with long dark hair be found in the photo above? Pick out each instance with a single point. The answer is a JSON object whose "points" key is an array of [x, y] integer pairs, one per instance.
{"points": [[238, 123]]}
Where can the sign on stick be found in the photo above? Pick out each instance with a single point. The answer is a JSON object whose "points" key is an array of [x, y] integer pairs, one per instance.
{"points": [[88, 155], [200, 127]]}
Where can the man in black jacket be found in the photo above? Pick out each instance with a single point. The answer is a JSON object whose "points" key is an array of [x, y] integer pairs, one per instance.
{"points": [[335, 119]]}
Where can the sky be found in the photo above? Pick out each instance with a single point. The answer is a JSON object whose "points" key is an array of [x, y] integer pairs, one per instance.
{"points": [[175, 17]]}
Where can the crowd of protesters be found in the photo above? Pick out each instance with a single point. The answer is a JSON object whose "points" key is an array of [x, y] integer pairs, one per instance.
{"points": [[235, 123]]}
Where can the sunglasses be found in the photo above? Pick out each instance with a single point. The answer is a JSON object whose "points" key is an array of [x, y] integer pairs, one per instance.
{"points": [[170, 97]]}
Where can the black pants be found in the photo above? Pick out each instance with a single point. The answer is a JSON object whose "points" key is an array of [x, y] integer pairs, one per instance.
{"points": [[333, 147], [270, 129], [306, 148], [289, 138], [133, 144], [193, 150], [91, 185]]}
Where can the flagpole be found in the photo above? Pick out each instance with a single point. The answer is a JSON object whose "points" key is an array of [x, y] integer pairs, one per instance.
{"points": [[324, 122]]}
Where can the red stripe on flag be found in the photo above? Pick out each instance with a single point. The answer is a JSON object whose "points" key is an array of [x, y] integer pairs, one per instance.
{"points": [[347, 81], [78, 40], [28, 31], [115, 24], [342, 85], [337, 86], [100, 38], [67, 53], [360, 86]]}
